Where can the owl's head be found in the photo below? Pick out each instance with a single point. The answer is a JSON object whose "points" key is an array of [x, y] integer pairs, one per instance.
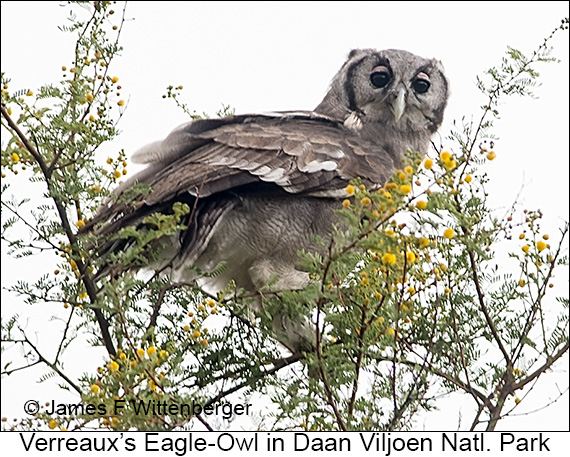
{"points": [[392, 88]]}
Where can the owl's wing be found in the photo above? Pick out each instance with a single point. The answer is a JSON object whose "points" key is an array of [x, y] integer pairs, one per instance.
{"points": [[303, 154]]}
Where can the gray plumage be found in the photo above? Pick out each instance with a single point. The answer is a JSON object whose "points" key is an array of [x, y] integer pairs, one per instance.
{"points": [[266, 185]]}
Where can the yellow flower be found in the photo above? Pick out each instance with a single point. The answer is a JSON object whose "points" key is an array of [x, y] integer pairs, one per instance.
{"points": [[410, 256], [115, 79], [121, 102], [204, 342], [113, 366], [391, 186], [411, 290], [409, 170], [211, 303], [422, 204], [362, 187], [390, 331], [95, 389], [468, 179], [445, 156], [350, 190], [73, 264], [83, 296], [123, 356], [380, 320], [80, 223], [447, 290], [545, 237], [196, 334], [30, 93], [541, 246], [346, 203], [163, 354], [448, 233], [525, 248], [450, 165], [117, 174], [428, 164], [89, 97], [140, 352], [150, 351], [52, 424], [521, 236], [401, 175], [63, 68], [424, 242], [366, 201], [517, 400], [389, 258], [405, 189], [124, 171], [91, 117], [522, 282], [15, 158], [491, 155]]}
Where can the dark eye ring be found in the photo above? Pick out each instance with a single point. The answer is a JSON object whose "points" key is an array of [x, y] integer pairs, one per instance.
{"points": [[380, 76], [421, 83]]}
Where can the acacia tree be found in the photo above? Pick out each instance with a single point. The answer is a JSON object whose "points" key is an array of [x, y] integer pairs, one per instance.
{"points": [[408, 304]]}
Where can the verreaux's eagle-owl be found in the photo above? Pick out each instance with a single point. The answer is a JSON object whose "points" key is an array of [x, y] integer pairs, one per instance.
{"points": [[263, 186]]}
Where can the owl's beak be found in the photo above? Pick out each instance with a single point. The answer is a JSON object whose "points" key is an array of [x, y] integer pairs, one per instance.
{"points": [[398, 102]]}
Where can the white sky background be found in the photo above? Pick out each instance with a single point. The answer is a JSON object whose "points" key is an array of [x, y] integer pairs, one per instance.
{"points": [[266, 57]]}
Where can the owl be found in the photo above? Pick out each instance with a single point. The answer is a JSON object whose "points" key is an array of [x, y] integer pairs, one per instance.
{"points": [[263, 187]]}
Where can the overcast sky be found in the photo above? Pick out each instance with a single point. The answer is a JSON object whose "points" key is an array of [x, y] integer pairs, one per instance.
{"points": [[260, 57]]}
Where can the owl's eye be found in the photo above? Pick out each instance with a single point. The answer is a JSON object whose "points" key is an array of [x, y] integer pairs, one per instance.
{"points": [[380, 76], [421, 83]]}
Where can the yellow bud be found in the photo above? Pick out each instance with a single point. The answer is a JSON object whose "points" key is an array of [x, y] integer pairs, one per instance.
{"points": [[30, 93], [409, 170], [410, 256], [424, 242], [113, 366], [350, 190], [121, 102], [15, 158], [428, 164], [541, 246], [52, 424], [491, 155], [140, 352], [389, 258], [522, 282], [421, 204], [196, 334], [522, 236], [89, 97], [204, 342], [448, 233], [95, 389], [366, 201], [445, 156], [390, 331], [151, 350], [115, 79], [346, 203], [525, 248], [80, 223], [468, 179], [545, 237], [405, 189]]}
